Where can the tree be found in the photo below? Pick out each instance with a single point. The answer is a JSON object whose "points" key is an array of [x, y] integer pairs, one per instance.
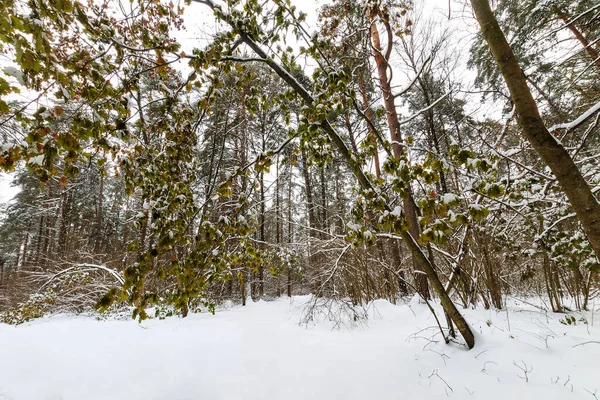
{"points": [[246, 171], [317, 116], [550, 150]]}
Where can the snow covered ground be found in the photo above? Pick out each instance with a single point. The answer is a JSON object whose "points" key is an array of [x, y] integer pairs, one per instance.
{"points": [[261, 352]]}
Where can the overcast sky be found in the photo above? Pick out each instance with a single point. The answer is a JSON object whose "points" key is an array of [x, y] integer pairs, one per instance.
{"points": [[7, 192]]}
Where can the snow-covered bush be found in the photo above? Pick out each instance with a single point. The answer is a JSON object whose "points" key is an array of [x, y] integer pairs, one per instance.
{"points": [[36, 306]]}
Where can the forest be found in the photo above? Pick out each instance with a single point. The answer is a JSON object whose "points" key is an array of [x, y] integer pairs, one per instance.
{"points": [[355, 152]]}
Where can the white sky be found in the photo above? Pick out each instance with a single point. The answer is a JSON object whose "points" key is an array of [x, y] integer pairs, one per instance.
{"points": [[7, 192]]}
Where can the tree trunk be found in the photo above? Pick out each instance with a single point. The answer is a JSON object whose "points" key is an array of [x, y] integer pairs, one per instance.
{"points": [[98, 238], [590, 50], [397, 260], [410, 208], [308, 189], [324, 226], [489, 266], [313, 235], [261, 267], [388, 285], [278, 218], [369, 114], [125, 234], [243, 284], [39, 239], [290, 238], [550, 283], [25, 245], [432, 130]]}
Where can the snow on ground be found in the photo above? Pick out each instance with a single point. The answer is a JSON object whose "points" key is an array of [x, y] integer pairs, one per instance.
{"points": [[261, 352]]}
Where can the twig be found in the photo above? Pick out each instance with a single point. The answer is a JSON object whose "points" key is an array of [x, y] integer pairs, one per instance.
{"points": [[590, 342], [484, 369], [435, 373], [481, 353], [526, 370], [593, 394]]}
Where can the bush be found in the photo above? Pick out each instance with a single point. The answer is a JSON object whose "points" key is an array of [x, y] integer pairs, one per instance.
{"points": [[36, 306]]}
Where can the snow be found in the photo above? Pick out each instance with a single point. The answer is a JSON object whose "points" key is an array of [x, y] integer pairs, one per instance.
{"points": [[353, 226], [65, 93], [261, 352], [581, 119], [541, 5], [37, 160], [15, 73], [449, 198], [452, 216], [510, 152]]}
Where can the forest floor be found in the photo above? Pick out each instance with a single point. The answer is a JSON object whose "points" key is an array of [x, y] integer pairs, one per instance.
{"points": [[262, 352]]}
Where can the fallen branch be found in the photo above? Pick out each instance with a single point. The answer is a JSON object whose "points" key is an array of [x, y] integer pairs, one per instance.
{"points": [[111, 272]]}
